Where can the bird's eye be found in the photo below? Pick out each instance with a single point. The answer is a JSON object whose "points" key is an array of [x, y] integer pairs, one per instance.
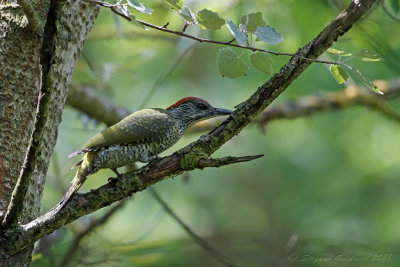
{"points": [[201, 106]]}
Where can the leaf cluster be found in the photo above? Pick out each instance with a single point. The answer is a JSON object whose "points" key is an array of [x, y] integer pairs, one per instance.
{"points": [[251, 28], [340, 74]]}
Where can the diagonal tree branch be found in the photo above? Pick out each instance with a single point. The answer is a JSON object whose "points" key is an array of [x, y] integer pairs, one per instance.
{"points": [[126, 185], [162, 79], [190, 157], [34, 21], [182, 33], [94, 224], [349, 97], [84, 97], [86, 100], [203, 243]]}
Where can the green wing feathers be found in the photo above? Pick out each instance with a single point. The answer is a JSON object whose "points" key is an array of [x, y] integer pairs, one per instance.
{"points": [[141, 126]]}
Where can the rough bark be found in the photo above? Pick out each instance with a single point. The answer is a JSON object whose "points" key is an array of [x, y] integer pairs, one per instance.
{"points": [[20, 82], [195, 154], [35, 67], [20, 77], [72, 20]]}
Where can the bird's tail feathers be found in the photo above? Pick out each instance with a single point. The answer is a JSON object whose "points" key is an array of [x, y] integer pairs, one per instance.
{"points": [[76, 183]]}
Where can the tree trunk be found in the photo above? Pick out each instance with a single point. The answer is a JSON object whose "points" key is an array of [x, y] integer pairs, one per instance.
{"points": [[37, 57]]}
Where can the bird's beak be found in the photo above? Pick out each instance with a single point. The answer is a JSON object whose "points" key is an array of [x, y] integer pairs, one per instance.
{"points": [[221, 111]]}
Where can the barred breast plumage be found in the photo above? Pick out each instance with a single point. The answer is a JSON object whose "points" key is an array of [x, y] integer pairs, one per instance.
{"points": [[138, 137]]}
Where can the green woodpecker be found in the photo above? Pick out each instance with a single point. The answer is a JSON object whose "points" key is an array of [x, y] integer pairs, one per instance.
{"points": [[138, 137]]}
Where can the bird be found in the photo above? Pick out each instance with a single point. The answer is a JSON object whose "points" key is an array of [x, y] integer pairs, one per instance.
{"points": [[141, 136]]}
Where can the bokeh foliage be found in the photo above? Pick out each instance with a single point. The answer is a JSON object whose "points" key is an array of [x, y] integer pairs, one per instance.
{"points": [[328, 183]]}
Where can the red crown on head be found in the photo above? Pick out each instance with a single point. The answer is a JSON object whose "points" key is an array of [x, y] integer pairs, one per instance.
{"points": [[186, 99]]}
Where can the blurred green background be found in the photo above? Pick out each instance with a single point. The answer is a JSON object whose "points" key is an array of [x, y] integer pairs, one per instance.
{"points": [[326, 193]]}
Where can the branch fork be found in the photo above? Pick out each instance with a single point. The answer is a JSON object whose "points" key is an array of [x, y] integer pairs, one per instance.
{"points": [[158, 170]]}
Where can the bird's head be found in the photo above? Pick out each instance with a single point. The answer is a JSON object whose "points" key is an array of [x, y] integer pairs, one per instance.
{"points": [[193, 109]]}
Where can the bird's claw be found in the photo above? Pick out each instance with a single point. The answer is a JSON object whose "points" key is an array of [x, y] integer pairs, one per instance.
{"points": [[150, 159], [112, 180]]}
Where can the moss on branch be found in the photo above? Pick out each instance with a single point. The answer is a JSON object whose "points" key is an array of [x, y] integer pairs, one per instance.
{"points": [[158, 170]]}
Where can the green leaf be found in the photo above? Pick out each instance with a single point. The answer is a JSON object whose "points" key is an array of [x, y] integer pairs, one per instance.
{"points": [[137, 23], [269, 35], [368, 83], [140, 7], [262, 62], [338, 52], [174, 4], [187, 15], [339, 74], [118, 27], [242, 27], [240, 37], [252, 21], [230, 65], [395, 5], [209, 20], [372, 86], [365, 80], [124, 10], [366, 55]]}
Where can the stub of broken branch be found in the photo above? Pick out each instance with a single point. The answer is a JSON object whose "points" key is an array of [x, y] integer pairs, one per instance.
{"points": [[210, 162], [126, 185], [190, 157]]}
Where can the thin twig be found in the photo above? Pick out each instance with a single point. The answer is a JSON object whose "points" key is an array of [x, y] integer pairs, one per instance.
{"points": [[141, 179], [203, 40], [166, 75], [57, 173], [185, 27], [210, 162], [16, 205], [387, 11], [199, 240], [229, 43], [165, 25], [94, 224], [188, 157], [202, 164], [87, 101], [133, 35], [90, 64], [34, 21]]}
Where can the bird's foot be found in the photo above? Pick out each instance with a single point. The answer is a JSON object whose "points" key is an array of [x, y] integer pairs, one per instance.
{"points": [[112, 180], [153, 158]]}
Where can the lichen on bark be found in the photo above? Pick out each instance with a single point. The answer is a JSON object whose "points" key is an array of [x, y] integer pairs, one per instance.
{"points": [[21, 76], [14, 240]]}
